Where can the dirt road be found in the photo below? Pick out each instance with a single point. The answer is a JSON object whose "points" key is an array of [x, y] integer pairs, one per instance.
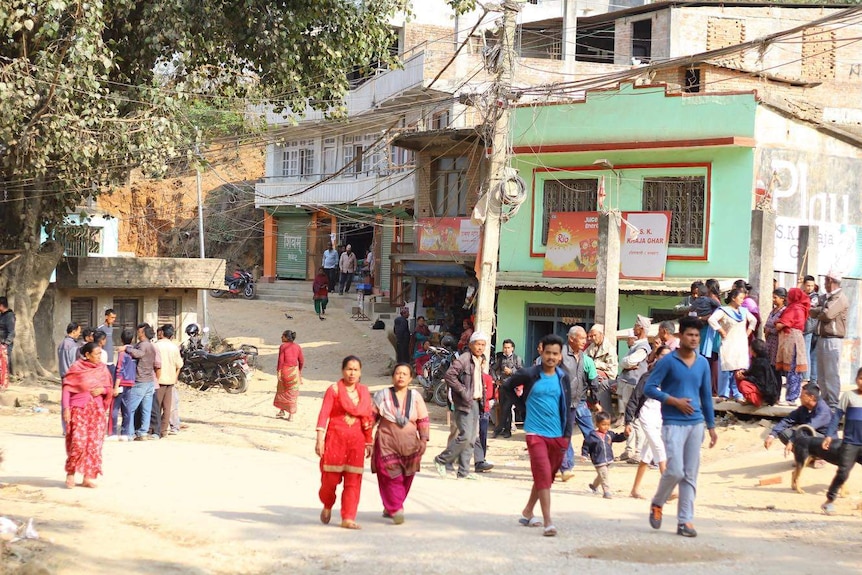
{"points": [[236, 492]]}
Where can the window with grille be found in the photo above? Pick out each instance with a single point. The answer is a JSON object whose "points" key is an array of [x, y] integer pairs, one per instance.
{"points": [[79, 240], [168, 312], [449, 187], [83, 309], [298, 159], [570, 195], [685, 198]]}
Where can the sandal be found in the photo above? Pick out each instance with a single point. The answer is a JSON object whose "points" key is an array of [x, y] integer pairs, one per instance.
{"points": [[530, 521], [280, 414], [348, 524], [325, 516], [550, 531]]}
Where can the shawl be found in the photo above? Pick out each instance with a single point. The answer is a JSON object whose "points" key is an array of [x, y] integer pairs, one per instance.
{"points": [[320, 287], [796, 312], [734, 314], [83, 376]]}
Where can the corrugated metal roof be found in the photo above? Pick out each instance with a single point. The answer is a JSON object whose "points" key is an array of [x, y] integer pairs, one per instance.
{"points": [[535, 280]]}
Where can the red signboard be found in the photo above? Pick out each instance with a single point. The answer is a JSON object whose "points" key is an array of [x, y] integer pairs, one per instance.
{"points": [[447, 236]]}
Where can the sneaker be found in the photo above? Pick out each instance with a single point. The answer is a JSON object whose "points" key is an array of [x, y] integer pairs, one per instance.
{"points": [[173, 432], [484, 466], [112, 438], [441, 468], [607, 495], [127, 438], [153, 437], [828, 508], [469, 477], [655, 516], [686, 530], [595, 490], [141, 438]]}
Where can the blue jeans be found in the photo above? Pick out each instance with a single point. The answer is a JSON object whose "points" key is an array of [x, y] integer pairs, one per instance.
{"points": [[727, 385], [682, 443], [140, 396], [584, 420], [811, 374], [121, 405]]}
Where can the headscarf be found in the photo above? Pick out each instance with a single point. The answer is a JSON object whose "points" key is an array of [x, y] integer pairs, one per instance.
{"points": [[796, 312]]}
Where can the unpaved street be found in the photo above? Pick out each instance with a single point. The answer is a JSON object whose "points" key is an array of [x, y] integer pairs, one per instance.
{"points": [[236, 492]]}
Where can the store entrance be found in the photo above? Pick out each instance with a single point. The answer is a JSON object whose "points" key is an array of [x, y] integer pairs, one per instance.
{"points": [[545, 319], [359, 236]]}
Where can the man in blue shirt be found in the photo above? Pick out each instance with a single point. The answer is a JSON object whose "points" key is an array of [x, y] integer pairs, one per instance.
{"points": [[548, 426], [330, 266], [681, 382]]}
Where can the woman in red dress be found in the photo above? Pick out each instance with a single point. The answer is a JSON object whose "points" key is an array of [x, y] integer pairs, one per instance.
{"points": [[344, 441], [86, 389], [289, 370]]}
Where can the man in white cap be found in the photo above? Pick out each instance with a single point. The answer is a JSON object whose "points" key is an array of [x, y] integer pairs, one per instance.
{"points": [[832, 327], [632, 366], [464, 378], [347, 267]]}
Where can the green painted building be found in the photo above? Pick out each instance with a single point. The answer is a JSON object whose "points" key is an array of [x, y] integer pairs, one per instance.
{"points": [[647, 150]]}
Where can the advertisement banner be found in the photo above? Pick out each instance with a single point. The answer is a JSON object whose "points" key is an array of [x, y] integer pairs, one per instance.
{"points": [[573, 245], [447, 236], [643, 245]]}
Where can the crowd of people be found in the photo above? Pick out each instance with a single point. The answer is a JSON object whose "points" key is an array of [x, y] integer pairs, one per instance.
{"points": [[114, 392]]}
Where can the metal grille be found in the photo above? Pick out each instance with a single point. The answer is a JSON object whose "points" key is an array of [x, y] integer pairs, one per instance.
{"points": [[79, 240], [571, 195], [685, 198]]}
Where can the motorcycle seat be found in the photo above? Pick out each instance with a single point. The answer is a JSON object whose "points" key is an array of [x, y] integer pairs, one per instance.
{"points": [[225, 357]]}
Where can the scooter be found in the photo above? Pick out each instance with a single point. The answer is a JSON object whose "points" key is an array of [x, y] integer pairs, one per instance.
{"points": [[431, 380], [241, 283]]}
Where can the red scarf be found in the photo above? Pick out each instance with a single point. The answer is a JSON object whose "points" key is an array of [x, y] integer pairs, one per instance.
{"points": [[361, 410], [84, 376]]}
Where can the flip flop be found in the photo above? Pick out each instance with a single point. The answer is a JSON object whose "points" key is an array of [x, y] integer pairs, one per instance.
{"points": [[530, 522], [550, 531]]}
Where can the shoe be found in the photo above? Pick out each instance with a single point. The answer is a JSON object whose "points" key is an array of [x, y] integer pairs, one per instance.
{"points": [[686, 530], [497, 433], [469, 476], [484, 466], [141, 438], [123, 438], [655, 516], [828, 508], [112, 438], [398, 517], [507, 435], [549, 531], [154, 437], [624, 456], [607, 495], [595, 490], [566, 475], [441, 468], [633, 461], [173, 432]]}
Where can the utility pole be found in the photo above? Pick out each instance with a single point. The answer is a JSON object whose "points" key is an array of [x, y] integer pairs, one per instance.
{"points": [[498, 118], [198, 158]]}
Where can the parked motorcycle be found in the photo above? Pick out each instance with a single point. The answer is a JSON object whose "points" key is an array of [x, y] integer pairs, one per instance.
{"points": [[431, 380], [203, 370], [240, 283]]}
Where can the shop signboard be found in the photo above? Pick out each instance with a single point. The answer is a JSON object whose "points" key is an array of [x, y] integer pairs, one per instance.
{"points": [[448, 236], [643, 245], [573, 245]]}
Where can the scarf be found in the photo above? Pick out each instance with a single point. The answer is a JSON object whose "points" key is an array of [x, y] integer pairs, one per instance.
{"points": [[358, 410], [734, 314], [387, 406], [83, 376]]}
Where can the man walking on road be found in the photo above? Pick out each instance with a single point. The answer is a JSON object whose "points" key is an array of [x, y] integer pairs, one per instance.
{"points": [[330, 266], [347, 267], [464, 378], [831, 314], [547, 393], [505, 364], [681, 382]]}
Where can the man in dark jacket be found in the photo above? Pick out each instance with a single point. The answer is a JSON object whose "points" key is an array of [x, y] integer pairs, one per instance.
{"points": [[832, 327], [464, 378], [548, 395], [7, 329], [402, 336], [505, 364]]}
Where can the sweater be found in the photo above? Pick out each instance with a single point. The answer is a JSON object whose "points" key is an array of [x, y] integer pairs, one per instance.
{"points": [[529, 376], [672, 377], [600, 446], [850, 408]]}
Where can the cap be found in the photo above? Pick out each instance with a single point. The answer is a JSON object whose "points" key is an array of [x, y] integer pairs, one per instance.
{"points": [[478, 336]]}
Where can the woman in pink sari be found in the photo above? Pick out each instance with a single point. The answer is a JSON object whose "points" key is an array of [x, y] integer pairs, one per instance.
{"points": [[86, 390], [402, 436], [289, 368]]}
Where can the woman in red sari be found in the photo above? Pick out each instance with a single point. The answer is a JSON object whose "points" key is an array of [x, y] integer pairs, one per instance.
{"points": [[344, 441], [289, 368], [402, 436], [86, 390]]}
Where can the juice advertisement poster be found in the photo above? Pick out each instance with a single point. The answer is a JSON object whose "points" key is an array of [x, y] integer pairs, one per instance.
{"points": [[572, 250], [448, 236]]}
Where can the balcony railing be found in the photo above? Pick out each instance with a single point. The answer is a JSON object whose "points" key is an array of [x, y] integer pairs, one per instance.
{"points": [[371, 189], [385, 85]]}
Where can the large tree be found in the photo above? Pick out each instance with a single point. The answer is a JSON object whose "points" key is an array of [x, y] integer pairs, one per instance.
{"points": [[90, 89]]}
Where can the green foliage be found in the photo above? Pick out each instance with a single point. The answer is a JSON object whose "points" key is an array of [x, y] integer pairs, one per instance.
{"points": [[90, 89]]}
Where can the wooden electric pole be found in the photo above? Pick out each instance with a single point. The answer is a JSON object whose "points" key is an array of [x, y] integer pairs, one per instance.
{"points": [[498, 119]]}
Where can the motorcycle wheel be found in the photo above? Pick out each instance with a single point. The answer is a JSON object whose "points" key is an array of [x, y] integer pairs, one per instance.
{"points": [[248, 292], [217, 292], [236, 383], [441, 396]]}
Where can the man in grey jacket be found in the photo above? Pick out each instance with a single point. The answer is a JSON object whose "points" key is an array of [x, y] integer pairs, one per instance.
{"points": [[464, 378], [832, 317]]}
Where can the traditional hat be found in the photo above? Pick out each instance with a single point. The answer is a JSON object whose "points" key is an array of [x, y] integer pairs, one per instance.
{"points": [[643, 321], [478, 336]]}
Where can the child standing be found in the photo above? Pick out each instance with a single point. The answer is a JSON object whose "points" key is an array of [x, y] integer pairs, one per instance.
{"points": [[125, 379], [599, 443], [849, 408]]}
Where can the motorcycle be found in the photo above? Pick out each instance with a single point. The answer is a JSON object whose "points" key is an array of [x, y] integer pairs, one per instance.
{"points": [[241, 283], [431, 380], [203, 370]]}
